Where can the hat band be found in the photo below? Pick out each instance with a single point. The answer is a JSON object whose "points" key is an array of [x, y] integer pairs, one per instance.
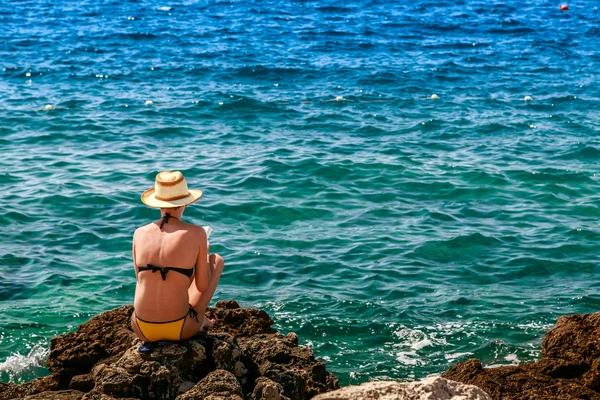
{"points": [[169, 183], [183, 196]]}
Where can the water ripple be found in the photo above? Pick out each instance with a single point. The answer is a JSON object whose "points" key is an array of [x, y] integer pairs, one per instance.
{"points": [[395, 232]]}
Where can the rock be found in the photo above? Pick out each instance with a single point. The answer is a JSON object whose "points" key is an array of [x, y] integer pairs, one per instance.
{"points": [[434, 388], [159, 375], [101, 358], [240, 322], [292, 337], [569, 368], [279, 358], [58, 395], [105, 335], [227, 304], [83, 382], [267, 389], [225, 352], [218, 385], [12, 391], [101, 396]]}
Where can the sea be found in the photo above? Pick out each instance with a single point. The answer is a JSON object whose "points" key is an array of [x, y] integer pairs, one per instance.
{"points": [[405, 185]]}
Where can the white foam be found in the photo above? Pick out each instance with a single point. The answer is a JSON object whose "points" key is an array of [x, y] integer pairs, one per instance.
{"points": [[512, 358], [411, 341], [17, 364], [408, 358], [454, 356]]}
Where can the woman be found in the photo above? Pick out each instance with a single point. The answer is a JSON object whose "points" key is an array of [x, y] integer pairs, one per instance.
{"points": [[176, 278]]}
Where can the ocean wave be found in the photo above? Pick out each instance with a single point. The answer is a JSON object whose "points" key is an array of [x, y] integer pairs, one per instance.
{"points": [[17, 367], [586, 152]]}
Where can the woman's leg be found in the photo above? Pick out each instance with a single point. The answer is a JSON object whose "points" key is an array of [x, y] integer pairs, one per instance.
{"points": [[200, 300]]}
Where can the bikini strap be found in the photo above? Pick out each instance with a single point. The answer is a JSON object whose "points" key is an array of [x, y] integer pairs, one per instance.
{"points": [[193, 313], [189, 272], [165, 219]]}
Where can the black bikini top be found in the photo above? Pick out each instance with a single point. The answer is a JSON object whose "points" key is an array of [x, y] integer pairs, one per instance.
{"points": [[164, 270]]}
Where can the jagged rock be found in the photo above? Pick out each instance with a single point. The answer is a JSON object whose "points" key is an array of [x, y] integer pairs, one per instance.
{"points": [[227, 304], [158, 375], [58, 395], [226, 352], [218, 385], [239, 322], [279, 358], [101, 358], [579, 352], [293, 338], [434, 388], [105, 335], [101, 396], [83, 382], [12, 391], [266, 389], [569, 368]]}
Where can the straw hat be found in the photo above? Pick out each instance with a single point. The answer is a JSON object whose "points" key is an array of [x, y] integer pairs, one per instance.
{"points": [[170, 191]]}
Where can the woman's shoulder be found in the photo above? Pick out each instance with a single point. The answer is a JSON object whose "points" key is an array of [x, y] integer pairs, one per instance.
{"points": [[143, 228], [195, 230]]}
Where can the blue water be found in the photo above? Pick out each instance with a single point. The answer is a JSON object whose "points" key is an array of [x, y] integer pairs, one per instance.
{"points": [[395, 233]]}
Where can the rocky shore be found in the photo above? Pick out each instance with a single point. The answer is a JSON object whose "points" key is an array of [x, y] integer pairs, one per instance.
{"points": [[569, 368], [243, 358]]}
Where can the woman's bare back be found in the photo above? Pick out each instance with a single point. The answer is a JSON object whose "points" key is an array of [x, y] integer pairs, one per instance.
{"points": [[176, 245]]}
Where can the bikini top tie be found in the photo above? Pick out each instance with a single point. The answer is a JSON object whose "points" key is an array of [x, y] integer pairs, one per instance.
{"points": [[189, 272], [165, 219], [163, 270]]}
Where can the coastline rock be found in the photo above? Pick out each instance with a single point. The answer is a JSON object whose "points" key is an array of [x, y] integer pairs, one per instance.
{"points": [[13, 391], [434, 388], [59, 395], [569, 368], [104, 336], [241, 357], [218, 385], [267, 389]]}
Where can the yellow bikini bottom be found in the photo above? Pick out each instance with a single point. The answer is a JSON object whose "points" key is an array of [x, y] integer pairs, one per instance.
{"points": [[169, 330]]}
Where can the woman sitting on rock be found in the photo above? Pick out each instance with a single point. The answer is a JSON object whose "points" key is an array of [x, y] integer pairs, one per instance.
{"points": [[176, 278]]}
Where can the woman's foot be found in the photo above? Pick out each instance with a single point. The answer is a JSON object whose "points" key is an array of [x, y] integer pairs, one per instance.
{"points": [[147, 347], [207, 323]]}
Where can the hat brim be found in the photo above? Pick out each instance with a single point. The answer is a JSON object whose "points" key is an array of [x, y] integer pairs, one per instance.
{"points": [[149, 199]]}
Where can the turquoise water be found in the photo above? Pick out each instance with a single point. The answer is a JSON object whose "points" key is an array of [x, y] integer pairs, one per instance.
{"points": [[395, 234]]}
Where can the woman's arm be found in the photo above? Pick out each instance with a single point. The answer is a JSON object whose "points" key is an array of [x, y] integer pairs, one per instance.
{"points": [[135, 267], [201, 277]]}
